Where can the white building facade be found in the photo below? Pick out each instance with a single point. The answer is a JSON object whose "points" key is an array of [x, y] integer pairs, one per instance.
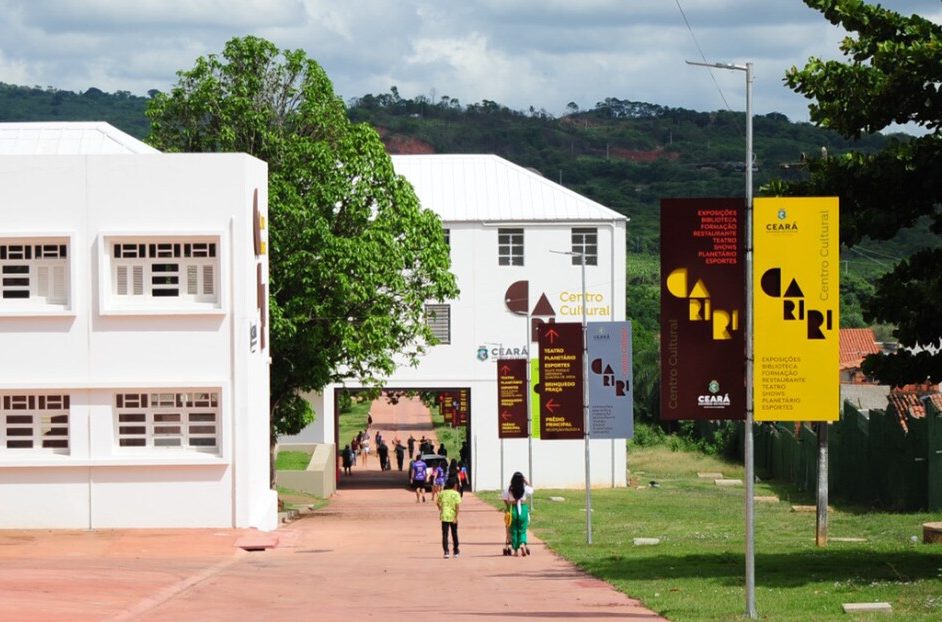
{"points": [[507, 225], [134, 381]]}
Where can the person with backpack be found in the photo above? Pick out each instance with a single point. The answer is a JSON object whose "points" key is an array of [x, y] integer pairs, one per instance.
{"points": [[463, 480], [382, 450], [347, 457], [438, 480], [417, 476]]}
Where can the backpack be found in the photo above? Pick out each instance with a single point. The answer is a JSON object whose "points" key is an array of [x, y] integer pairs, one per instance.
{"points": [[463, 475]]}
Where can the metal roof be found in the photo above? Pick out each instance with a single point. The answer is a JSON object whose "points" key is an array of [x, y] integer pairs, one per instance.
{"points": [[67, 138], [488, 188]]}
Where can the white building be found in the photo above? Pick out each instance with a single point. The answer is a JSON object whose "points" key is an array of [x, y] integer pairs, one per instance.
{"points": [[506, 224], [134, 376]]}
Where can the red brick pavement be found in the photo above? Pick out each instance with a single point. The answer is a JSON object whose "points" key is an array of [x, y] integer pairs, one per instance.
{"points": [[373, 552]]}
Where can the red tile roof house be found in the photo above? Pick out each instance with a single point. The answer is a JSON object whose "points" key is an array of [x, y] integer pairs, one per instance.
{"points": [[855, 344]]}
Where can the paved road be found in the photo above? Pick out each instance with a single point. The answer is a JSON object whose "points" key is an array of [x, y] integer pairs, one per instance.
{"points": [[372, 553]]}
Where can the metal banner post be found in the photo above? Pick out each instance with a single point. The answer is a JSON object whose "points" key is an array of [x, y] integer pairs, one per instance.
{"points": [[750, 406]]}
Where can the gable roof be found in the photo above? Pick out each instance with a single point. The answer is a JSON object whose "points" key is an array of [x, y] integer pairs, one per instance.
{"points": [[68, 138], [855, 344], [482, 187]]}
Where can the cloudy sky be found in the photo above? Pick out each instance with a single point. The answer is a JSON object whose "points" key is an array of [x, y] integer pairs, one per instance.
{"points": [[520, 53]]}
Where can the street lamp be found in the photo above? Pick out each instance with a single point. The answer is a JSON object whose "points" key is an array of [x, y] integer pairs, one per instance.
{"points": [[527, 343], [748, 449], [585, 401]]}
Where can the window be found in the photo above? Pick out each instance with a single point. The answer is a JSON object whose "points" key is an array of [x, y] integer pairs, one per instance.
{"points": [[447, 233], [586, 242], [34, 421], [510, 247], [438, 319], [168, 420], [165, 270], [34, 273]]}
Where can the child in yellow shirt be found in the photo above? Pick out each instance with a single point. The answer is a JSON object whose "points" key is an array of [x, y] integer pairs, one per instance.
{"points": [[448, 504]]}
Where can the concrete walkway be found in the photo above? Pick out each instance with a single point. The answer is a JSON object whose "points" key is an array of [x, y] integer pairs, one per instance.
{"points": [[373, 552]]}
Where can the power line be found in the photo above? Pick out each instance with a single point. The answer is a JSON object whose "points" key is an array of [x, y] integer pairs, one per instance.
{"points": [[865, 256], [702, 56]]}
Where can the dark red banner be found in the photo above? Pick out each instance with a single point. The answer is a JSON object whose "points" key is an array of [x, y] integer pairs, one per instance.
{"points": [[703, 302], [462, 406], [561, 381], [512, 398], [454, 406]]}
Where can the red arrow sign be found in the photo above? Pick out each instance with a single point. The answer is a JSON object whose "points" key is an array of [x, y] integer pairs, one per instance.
{"points": [[512, 398], [561, 379]]}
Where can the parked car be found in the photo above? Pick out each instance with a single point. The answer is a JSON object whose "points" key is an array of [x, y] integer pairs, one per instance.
{"points": [[431, 461]]}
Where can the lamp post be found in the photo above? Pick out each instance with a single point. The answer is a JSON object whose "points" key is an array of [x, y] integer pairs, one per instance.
{"points": [[748, 449], [526, 398], [585, 401]]}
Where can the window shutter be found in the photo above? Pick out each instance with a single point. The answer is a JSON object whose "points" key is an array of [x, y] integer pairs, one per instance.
{"points": [[121, 280], [192, 286], [42, 282], [138, 275], [58, 293], [209, 283]]}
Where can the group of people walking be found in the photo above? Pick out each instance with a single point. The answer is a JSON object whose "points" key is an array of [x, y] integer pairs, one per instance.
{"points": [[361, 447], [449, 489], [446, 481]]}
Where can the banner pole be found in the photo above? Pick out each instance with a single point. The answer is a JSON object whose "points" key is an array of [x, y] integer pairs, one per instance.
{"points": [[529, 414], [585, 413]]}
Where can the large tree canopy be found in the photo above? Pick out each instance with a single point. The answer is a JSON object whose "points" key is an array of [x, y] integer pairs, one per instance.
{"points": [[353, 257], [893, 74]]}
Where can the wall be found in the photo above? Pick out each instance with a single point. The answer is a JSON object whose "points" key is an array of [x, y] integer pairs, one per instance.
{"points": [[480, 319], [93, 349]]}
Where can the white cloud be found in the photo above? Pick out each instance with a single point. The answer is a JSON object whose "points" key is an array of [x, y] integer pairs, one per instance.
{"points": [[522, 53]]}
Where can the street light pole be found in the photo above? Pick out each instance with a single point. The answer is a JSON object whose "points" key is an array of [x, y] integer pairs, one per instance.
{"points": [[585, 410], [585, 400], [527, 343], [748, 445], [526, 401]]}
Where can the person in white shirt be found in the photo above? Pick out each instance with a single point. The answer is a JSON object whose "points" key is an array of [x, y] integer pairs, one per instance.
{"points": [[517, 506]]}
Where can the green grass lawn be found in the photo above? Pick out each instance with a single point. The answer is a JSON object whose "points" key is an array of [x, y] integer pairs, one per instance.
{"points": [[452, 437], [292, 460], [295, 499], [353, 421], [697, 570]]}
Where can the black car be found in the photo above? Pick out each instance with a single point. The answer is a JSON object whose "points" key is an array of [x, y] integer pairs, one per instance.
{"points": [[431, 461]]}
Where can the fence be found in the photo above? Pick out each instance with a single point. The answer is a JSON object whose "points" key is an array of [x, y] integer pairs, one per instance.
{"points": [[872, 459]]}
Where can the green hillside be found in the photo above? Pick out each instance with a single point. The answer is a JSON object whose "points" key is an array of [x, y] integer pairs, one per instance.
{"points": [[121, 109], [623, 154]]}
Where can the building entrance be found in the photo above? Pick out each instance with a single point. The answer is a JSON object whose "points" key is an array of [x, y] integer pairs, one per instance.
{"points": [[374, 431]]}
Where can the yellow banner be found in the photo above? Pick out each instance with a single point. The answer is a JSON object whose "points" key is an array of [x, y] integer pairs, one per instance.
{"points": [[796, 304]]}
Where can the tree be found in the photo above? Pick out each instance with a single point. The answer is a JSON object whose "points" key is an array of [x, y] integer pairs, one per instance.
{"points": [[353, 256], [892, 75]]}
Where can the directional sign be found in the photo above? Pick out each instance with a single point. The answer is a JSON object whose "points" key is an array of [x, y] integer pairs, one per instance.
{"points": [[454, 405], [561, 381], [511, 398], [446, 408], [608, 346], [462, 406]]}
